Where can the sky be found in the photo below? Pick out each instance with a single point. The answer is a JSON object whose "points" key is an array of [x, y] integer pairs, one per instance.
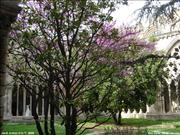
{"points": [[125, 14]]}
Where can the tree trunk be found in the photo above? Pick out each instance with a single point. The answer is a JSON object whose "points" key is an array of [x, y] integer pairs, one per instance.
{"points": [[8, 14], [35, 115], [119, 118], [68, 119], [53, 132], [114, 117], [74, 121], [46, 108], [38, 125], [71, 120]]}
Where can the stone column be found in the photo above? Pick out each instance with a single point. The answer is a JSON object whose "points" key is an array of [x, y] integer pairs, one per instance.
{"points": [[9, 101], [170, 101], [24, 102], [177, 94], [8, 97], [163, 105], [6, 104], [30, 102], [147, 109]]}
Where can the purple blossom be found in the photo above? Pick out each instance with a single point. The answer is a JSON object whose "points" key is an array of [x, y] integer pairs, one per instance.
{"points": [[108, 27], [12, 33], [126, 37]]}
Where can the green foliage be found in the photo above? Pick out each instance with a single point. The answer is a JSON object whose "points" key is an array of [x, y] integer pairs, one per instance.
{"points": [[152, 38], [54, 49], [162, 13], [136, 90]]}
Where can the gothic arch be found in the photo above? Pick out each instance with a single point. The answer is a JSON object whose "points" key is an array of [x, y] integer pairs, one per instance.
{"points": [[174, 43], [173, 64]]}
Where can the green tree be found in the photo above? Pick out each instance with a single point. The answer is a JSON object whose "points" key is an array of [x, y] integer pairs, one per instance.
{"points": [[135, 90], [58, 45], [162, 13], [54, 45], [135, 81]]}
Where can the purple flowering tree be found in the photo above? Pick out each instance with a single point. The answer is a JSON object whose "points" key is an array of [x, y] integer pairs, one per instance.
{"points": [[62, 49], [126, 54]]}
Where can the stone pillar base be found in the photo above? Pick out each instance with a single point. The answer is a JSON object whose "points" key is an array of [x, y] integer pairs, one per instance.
{"points": [[7, 118]]}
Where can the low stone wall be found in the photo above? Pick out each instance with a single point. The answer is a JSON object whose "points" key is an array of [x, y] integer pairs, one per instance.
{"points": [[133, 114], [164, 116]]}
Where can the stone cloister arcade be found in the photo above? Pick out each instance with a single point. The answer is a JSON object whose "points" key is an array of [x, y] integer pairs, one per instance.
{"points": [[19, 102], [168, 99]]}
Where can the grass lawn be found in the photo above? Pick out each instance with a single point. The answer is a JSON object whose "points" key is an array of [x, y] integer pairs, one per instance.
{"points": [[29, 129], [25, 129], [152, 125], [163, 131], [140, 122], [170, 127]]}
